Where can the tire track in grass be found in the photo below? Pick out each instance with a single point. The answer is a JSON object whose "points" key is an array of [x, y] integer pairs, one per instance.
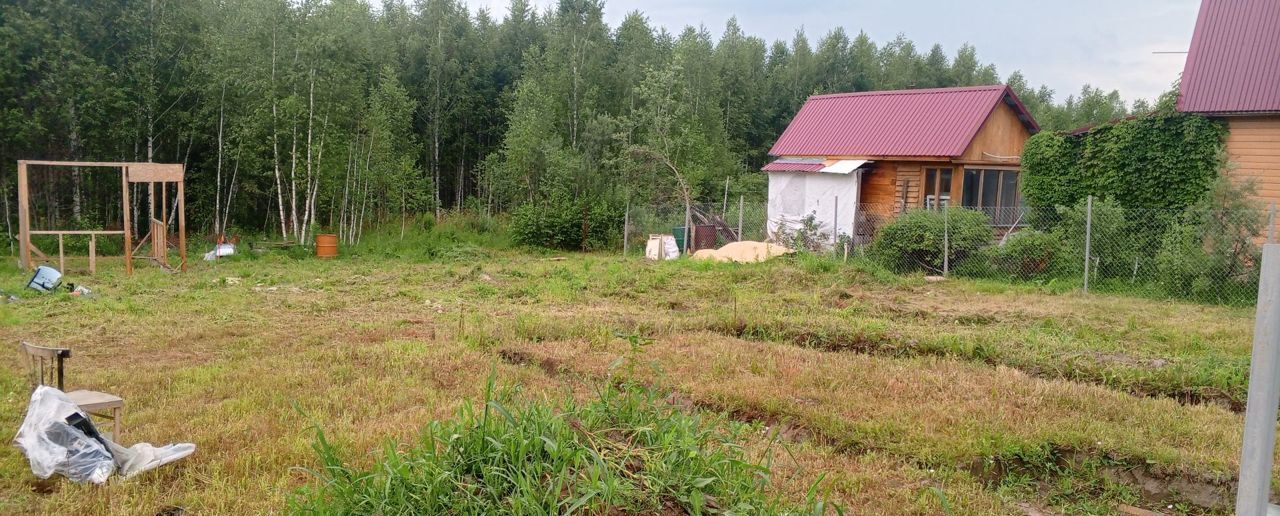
{"points": [[957, 416]]}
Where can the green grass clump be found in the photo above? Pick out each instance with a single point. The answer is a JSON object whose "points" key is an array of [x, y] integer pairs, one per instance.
{"points": [[459, 236], [625, 450]]}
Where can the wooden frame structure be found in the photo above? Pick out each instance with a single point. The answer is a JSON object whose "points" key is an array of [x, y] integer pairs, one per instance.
{"points": [[149, 173]]}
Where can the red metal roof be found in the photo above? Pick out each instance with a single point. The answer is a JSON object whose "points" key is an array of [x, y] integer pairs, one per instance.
{"points": [[1233, 65], [785, 165], [925, 122]]}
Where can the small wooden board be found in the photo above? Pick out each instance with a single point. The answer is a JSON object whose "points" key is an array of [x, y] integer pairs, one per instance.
{"points": [[154, 173]]}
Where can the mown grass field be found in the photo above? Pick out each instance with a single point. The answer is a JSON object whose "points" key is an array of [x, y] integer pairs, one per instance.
{"points": [[891, 394]]}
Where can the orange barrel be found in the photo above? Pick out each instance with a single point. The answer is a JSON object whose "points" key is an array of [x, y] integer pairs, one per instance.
{"points": [[326, 245]]}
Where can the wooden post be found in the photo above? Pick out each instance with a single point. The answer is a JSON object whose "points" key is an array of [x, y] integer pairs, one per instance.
{"points": [[164, 206], [1264, 392], [626, 227], [93, 254], [24, 218], [128, 230], [182, 227], [62, 256]]}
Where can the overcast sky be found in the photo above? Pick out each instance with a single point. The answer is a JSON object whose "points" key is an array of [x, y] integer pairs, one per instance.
{"points": [[1063, 44]]}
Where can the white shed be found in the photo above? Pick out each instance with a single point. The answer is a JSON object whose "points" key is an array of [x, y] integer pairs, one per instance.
{"points": [[803, 187]]}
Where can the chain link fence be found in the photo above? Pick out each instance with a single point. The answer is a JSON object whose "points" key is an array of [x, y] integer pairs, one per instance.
{"points": [[714, 224], [1204, 255]]}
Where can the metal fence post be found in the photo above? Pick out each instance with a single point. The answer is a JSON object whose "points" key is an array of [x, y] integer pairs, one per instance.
{"points": [[626, 227], [688, 224], [741, 203], [946, 239], [724, 207], [835, 222], [1088, 235], [1264, 392], [1271, 224]]}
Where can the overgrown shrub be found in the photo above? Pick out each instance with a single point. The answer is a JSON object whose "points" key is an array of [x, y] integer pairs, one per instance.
{"points": [[915, 240], [460, 235], [563, 222], [1113, 246], [1210, 252], [806, 236], [1026, 254]]}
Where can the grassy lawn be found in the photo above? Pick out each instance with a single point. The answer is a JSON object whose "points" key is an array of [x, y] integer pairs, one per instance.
{"points": [[889, 394]]}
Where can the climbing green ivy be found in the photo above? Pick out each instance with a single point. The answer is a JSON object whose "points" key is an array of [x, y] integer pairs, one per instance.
{"points": [[1164, 160]]}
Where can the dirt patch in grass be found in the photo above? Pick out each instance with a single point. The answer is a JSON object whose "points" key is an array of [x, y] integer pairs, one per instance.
{"points": [[514, 356]]}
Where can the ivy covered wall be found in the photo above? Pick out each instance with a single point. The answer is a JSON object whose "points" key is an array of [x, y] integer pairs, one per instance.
{"points": [[1164, 160]]}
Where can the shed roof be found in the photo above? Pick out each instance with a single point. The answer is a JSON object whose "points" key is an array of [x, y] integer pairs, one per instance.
{"points": [[795, 165], [924, 122], [1233, 65]]}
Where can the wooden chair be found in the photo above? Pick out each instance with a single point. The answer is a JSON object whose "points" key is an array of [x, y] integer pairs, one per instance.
{"points": [[45, 366]]}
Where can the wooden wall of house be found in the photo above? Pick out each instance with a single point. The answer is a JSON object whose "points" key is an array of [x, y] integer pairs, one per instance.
{"points": [[910, 177], [1253, 153], [879, 186], [884, 189], [1002, 134]]}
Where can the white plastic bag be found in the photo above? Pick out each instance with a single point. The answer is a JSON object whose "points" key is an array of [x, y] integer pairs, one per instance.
{"points": [[219, 251], [53, 446], [143, 457], [662, 247]]}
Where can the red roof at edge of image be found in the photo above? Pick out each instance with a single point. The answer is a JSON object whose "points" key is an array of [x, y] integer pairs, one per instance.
{"points": [[1233, 65], [923, 122]]}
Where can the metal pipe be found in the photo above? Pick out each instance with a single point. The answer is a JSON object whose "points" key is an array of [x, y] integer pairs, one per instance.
{"points": [[1264, 392], [1088, 235]]}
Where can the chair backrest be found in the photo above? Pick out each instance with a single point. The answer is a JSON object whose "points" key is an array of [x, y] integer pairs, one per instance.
{"points": [[44, 364]]}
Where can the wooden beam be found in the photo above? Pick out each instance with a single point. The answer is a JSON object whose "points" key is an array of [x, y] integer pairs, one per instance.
{"points": [[93, 254], [128, 232], [24, 218], [154, 173], [164, 207], [141, 242], [182, 227], [73, 232], [55, 163], [62, 256], [43, 257]]}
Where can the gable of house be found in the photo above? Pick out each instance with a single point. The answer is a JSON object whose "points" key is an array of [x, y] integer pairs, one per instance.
{"points": [[1000, 138]]}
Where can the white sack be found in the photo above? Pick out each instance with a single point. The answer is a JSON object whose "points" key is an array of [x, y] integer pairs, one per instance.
{"points": [[53, 446]]}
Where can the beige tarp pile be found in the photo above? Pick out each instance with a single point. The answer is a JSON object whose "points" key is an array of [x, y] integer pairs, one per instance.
{"points": [[743, 252]]}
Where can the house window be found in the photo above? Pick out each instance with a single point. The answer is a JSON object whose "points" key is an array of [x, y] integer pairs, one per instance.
{"points": [[937, 188], [995, 192]]}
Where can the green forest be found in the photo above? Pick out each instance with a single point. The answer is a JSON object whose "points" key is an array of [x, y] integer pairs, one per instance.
{"points": [[293, 115]]}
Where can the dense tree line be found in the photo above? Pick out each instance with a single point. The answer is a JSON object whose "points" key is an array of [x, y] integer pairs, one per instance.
{"points": [[296, 114]]}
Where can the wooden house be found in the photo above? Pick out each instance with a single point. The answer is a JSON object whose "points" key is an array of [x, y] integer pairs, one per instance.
{"points": [[866, 156], [1233, 73]]}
